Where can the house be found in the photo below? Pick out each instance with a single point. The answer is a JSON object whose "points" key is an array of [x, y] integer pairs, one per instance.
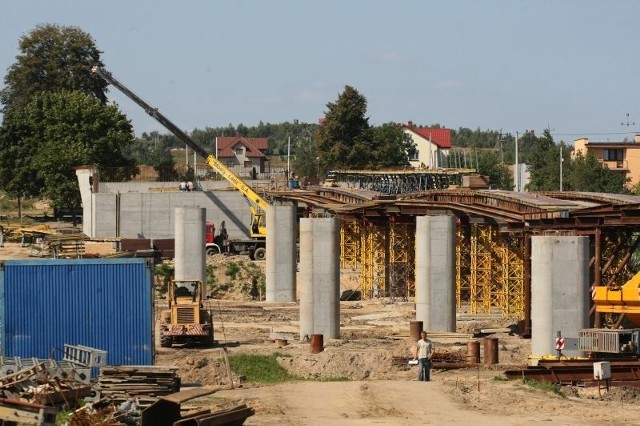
{"points": [[244, 156], [623, 157], [432, 145]]}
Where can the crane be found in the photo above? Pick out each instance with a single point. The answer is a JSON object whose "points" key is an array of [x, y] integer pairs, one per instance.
{"points": [[257, 204]]}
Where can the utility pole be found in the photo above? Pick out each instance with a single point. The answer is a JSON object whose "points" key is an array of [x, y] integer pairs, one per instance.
{"points": [[561, 161], [288, 156], [517, 166]]}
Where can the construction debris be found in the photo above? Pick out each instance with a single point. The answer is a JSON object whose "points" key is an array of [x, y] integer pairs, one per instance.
{"points": [[142, 383]]}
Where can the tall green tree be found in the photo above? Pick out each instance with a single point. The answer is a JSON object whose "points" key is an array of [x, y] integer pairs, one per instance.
{"points": [[54, 133], [587, 174], [390, 146], [343, 139], [544, 164], [51, 58]]}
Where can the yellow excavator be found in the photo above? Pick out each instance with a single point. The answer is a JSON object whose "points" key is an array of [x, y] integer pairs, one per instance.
{"points": [[256, 246]]}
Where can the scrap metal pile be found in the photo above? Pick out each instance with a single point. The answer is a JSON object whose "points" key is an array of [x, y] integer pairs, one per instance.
{"points": [[123, 395]]}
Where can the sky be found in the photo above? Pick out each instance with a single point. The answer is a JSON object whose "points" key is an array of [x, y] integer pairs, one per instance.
{"points": [[512, 65]]}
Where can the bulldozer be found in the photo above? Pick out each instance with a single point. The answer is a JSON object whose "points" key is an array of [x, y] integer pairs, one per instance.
{"points": [[186, 322]]}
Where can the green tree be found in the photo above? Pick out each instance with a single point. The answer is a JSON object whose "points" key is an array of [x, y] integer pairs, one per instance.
{"points": [[343, 138], [499, 175], [52, 58], [305, 163], [587, 174], [544, 164], [391, 146], [54, 133]]}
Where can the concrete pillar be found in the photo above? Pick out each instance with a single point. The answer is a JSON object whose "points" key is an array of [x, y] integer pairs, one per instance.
{"points": [[85, 184], [281, 253], [435, 272], [320, 277], [190, 263], [559, 292]]}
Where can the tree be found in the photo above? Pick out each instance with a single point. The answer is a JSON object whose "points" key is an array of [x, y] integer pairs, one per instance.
{"points": [[342, 139], [499, 175], [305, 162], [54, 133], [587, 174], [544, 163], [391, 146], [52, 58]]}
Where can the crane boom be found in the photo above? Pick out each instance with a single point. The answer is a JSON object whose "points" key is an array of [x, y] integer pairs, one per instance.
{"points": [[257, 202]]}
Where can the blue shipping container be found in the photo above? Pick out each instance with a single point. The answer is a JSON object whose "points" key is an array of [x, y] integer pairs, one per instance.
{"points": [[102, 303]]}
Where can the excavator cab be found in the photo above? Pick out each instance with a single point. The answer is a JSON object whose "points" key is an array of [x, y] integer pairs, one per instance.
{"points": [[258, 225]]}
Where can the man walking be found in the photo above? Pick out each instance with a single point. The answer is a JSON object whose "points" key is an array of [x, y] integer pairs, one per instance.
{"points": [[423, 353]]}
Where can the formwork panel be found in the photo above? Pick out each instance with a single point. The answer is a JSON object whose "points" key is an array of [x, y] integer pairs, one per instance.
{"points": [[105, 304]]}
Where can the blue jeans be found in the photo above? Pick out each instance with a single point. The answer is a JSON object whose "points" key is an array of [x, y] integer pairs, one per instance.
{"points": [[424, 369]]}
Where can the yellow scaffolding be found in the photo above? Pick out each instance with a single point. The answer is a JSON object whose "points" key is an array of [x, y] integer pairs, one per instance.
{"points": [[401, 260], [480, 282], [511, 278], [372, 245], [463, 289], [349, 245]]}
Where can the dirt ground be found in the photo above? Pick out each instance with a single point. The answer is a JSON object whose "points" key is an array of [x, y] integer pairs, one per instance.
{"points": [[371, 352]]}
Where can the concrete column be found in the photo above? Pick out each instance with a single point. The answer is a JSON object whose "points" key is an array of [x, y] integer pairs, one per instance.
{"points": [[190, 263], [559, 292], [305, 278], [281, 253], [435, 272], [85, 175], [320, 277]]}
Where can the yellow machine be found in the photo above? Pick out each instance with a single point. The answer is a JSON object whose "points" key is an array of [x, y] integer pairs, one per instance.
{"points": [[258, 205], [186, 321], [623, 299]]}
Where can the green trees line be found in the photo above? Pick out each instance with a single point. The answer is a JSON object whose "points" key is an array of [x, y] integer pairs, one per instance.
{"points": [[56, 117]]}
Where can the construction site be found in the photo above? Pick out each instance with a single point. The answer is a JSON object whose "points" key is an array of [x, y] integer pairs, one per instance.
{"points": [[530, 300]]}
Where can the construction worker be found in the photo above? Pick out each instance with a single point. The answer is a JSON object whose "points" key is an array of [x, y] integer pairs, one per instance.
{"points": [[423, 353]]}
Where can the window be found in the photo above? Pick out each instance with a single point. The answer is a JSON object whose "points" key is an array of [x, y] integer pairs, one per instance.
{"points": [[239, 150], [613, 155], [414, 156]]}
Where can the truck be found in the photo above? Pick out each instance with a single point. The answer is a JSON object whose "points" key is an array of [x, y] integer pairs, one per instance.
{"points": [[186, 321], [255, 245]]}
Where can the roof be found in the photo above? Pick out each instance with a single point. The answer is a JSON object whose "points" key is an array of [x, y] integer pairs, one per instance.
{"points": [[439, 136], [254, 146]]}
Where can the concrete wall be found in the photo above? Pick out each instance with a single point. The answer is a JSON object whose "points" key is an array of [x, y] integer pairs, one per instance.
{"points": [[151, 214], [559, 292]]}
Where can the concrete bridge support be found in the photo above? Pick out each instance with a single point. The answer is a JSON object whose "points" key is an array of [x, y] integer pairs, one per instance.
{"points": [[320, 277], [190, 263], [281, 253], [435, 272], [559, 292]]}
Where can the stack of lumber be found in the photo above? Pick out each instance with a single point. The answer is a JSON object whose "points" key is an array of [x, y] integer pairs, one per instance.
{"points": [[142, 383]]}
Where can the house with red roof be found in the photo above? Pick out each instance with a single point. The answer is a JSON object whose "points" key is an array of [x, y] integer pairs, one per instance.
{"points": [[432, 145], [242, 155]]}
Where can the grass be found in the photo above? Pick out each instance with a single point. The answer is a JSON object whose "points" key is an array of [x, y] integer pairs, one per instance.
{"points": [[545, 387], [265, 369], [261, 368]]}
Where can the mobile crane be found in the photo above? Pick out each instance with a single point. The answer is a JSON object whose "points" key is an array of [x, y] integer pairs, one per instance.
{"points": [[256, 246], [618, 342]]}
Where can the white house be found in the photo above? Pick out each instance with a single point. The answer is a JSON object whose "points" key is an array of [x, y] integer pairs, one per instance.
{"points": [[432, 145]]}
